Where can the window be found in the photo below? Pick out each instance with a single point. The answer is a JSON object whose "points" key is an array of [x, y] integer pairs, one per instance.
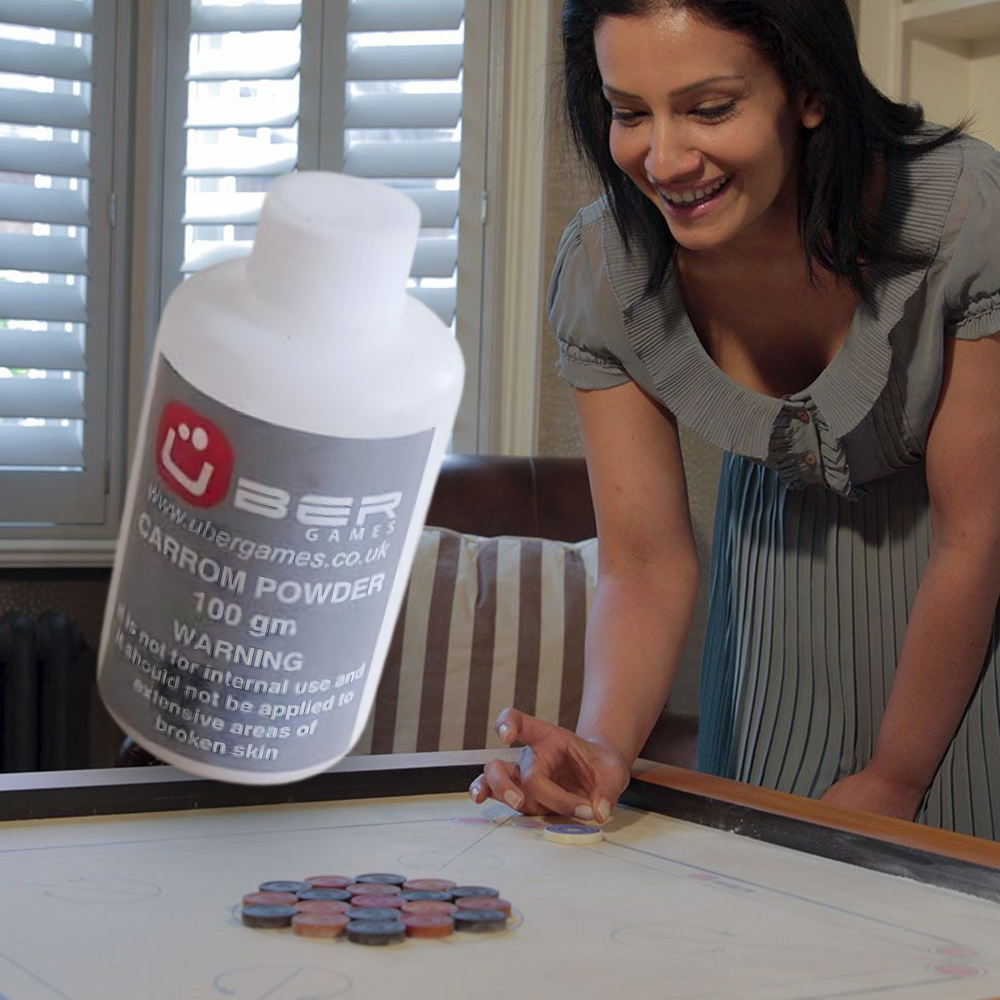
{"points": [[137, 142], [236, 68], [374, 88], [60, 322]]}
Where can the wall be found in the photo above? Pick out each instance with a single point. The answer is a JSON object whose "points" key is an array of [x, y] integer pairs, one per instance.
{"points": [[984, 85], [952, 78]]}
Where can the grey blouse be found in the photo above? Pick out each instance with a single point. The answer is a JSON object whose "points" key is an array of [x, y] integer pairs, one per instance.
{"points": [[870, 410]]}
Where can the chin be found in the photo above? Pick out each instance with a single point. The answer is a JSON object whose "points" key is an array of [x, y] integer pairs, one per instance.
{"points": [[694, 242]]}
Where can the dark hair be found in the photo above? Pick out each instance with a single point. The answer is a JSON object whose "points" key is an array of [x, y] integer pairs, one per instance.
{"points": [[811, 44]]}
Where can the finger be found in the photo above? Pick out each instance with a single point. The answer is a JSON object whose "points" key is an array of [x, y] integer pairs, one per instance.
{"points": [[507, 725], [555, 798], [601, 806], [538, 784], [513, 725], [503, 778], [588, 789], [601, 773], [603, 800], [503, 783], [479, 790], [609, 783]]}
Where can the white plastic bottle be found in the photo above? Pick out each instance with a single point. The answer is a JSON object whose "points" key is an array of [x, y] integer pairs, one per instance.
{"points": [[298, 409]]}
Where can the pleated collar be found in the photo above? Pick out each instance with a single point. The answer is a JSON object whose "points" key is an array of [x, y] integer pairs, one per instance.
{"points": [[915, 204]]}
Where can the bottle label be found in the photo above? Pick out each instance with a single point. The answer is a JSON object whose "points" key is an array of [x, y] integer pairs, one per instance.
{"points": [[257, 566]]}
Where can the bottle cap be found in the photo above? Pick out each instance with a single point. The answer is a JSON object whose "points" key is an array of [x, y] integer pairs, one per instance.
{"points": [[334, 250]]}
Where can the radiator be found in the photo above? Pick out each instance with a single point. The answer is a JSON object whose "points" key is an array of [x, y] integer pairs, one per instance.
{"points": [[46, 686]]}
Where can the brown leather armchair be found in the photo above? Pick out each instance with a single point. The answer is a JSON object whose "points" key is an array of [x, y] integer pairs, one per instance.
{"points": [[499, 495]]}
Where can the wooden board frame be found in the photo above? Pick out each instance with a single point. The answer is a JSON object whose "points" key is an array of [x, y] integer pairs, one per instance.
{"points": [[936, 857]]}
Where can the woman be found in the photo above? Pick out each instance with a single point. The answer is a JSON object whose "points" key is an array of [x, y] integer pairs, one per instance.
{"points": [[807, 275]]}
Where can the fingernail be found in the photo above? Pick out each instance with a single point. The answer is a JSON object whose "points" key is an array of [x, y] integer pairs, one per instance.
{"points": [[503, 731], [603, 811], [474, 792], [583, 812], [514, 799]]}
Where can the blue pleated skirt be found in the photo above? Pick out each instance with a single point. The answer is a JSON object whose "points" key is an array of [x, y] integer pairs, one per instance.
{"points": [[810, 596]]}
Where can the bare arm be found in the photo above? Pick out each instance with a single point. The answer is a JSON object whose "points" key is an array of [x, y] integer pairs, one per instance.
{"points": [[648, 571], [952, 616], [648, 578]]}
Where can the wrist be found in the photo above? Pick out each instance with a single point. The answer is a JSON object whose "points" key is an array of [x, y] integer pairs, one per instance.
{"points": [[607, 743], [903, 784]]}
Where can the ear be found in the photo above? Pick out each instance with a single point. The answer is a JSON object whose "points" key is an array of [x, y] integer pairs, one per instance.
{"points": [[812, 112]]}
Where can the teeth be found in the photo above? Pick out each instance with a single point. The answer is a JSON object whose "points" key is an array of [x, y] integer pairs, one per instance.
{"points": [[689, 197]]}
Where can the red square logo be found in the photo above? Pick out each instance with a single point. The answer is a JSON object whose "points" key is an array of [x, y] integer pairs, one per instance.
{"points": [[194, 457]]}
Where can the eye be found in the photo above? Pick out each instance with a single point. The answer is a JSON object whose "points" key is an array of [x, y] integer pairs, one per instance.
{"points": [[626, 118], [714, 112]]}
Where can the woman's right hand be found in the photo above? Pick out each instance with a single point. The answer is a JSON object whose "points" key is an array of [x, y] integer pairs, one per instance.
{"points": [[556, 771]]}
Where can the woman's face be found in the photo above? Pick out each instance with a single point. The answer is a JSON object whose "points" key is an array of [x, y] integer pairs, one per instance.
{"points": [[703, 125]]}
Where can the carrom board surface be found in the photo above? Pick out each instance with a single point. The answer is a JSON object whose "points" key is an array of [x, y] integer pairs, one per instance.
{"points": [[146, 906]]}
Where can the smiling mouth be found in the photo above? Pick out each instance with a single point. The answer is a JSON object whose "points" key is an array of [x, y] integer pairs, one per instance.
{"points": [[697, 196]]}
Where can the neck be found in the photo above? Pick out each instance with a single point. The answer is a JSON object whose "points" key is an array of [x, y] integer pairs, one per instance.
{"points": [[772, 239]]}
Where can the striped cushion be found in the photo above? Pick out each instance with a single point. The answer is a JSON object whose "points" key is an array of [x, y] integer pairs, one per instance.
{"points": [[486, 623]]}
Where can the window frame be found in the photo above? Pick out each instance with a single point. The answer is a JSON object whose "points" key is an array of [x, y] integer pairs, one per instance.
{"points": [[74, 540], [502, 320]]}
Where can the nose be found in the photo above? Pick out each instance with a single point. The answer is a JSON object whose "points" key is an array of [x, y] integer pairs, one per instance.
{"points": [[670, 156]]}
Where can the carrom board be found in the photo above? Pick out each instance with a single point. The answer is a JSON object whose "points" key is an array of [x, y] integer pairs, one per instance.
{"points": [[145, 905]]}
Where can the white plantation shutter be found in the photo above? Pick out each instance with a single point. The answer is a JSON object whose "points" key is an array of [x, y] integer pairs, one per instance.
{"points": [[402, 122], [57, 63], [372, 88], [227, 95], [238, 70]]}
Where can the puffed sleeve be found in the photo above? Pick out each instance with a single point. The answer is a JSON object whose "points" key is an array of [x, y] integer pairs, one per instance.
{"points": [[972, 286], [583, 310]]}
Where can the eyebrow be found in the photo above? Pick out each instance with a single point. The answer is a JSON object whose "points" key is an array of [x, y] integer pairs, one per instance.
{"points": [[615, 92]]}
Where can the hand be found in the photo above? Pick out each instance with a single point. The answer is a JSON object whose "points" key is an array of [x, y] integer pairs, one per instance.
{"points": [[556, 772], [873, 792]]}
